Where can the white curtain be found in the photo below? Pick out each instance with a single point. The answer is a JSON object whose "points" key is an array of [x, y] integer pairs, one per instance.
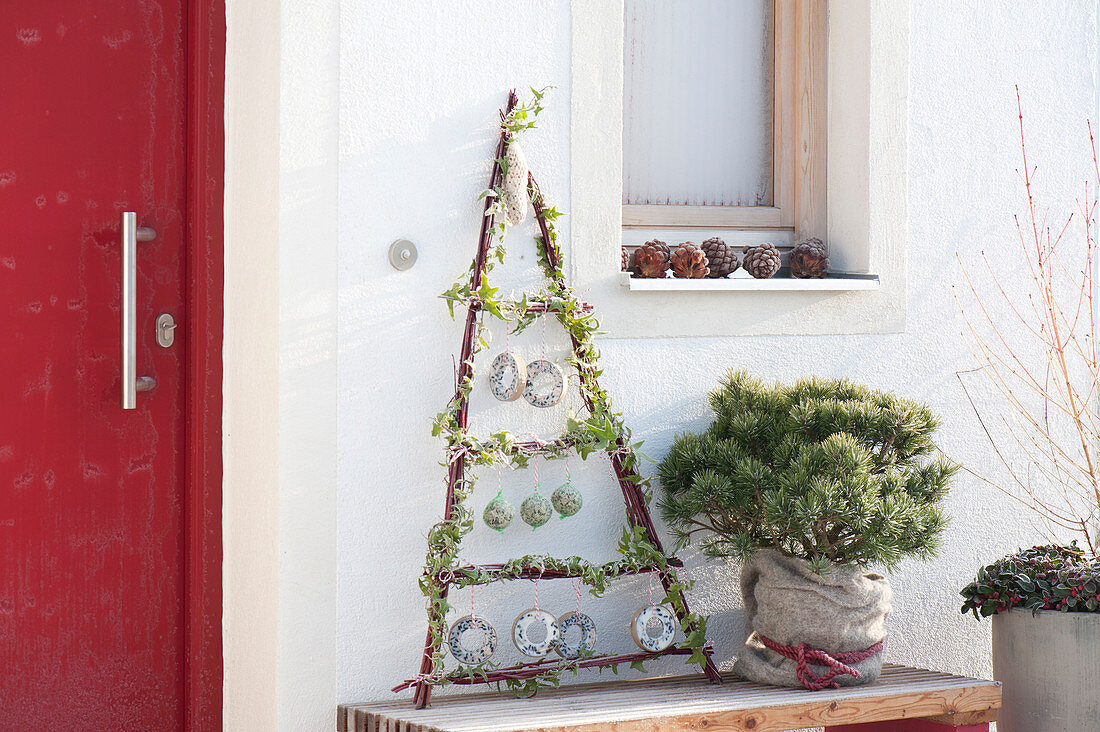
{"points": [[697, 102]]}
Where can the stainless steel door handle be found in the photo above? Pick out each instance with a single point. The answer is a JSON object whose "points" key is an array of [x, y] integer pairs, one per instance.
{"points": [[129, 237]]}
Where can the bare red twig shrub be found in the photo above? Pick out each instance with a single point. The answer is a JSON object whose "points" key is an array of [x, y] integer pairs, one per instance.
{"points": [[1042, 361]]}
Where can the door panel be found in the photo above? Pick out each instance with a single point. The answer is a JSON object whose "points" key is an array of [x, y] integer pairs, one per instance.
{"points": [[92, 123]]}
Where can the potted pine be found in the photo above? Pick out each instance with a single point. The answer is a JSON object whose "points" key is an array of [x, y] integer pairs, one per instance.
{"points": [[1035, 343], [809, 486]]}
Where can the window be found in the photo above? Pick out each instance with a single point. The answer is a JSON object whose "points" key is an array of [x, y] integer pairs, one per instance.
{"points": [[862, 111], [724, 115]]}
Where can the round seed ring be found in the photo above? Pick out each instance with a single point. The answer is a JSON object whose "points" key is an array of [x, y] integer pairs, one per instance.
{"points": [[653, 628], [522, 632], [587, 641], [507, 377], [545, 383], [472, 654]]}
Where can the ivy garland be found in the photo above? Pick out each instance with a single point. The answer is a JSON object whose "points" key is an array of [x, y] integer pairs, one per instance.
{"points": [[603, 431]]}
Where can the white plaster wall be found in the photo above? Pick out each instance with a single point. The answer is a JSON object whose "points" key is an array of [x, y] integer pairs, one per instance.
{"points": [[419, 86], [250, 512], [308, 225], [279, 516]]}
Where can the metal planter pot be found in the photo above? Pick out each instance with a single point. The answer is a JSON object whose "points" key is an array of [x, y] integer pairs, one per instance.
{"points": [[1049, 664]]}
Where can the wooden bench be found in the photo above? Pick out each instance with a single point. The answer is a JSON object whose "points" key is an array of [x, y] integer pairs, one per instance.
{"points": [[903, 700]]}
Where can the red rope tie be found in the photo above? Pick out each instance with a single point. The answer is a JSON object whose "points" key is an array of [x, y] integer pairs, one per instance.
{"points": [[804, 655]]}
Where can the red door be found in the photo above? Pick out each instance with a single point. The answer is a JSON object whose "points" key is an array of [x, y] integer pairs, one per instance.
{"points": [[93, 582]]}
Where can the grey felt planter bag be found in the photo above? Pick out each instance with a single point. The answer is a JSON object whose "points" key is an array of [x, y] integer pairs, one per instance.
{"points": [[808, 630]]}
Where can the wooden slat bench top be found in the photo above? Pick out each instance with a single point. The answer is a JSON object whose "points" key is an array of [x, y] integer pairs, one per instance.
{"points": [[689, 703]]}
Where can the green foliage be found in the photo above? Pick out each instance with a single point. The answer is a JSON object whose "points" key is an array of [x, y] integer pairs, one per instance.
{"points": [[1041, 578], [525, 114], [827, 470]]}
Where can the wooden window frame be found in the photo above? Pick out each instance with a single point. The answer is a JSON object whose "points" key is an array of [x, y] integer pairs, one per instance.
{"points": [[799, 134]]}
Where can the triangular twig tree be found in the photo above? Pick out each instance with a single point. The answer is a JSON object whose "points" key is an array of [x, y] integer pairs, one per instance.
{"points": [[603, 431]]}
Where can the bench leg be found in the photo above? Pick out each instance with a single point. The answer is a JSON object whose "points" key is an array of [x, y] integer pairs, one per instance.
{"points": [[908, 725]]}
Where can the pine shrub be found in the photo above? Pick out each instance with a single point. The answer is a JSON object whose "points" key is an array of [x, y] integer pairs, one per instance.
{"points": [[824, 469]]}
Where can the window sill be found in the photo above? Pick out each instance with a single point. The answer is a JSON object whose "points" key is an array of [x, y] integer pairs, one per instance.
{"points": [[742, 282]]}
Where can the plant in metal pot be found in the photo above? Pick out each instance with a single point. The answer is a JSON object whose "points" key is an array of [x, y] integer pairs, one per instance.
{"points": [[1045, 603], [1035, 393], [808, 485]]}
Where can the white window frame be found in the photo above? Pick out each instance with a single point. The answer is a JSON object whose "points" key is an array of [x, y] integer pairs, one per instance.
{"points": [[865, 223]]}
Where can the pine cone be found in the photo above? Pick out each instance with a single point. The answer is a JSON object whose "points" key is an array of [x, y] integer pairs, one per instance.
{"points": [[689, 262], [720, 258], [762, 260], [650, 259], [662, 246], [810, 259]]}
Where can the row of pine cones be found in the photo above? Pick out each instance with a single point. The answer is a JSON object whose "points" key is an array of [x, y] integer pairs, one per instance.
{"points": [[717, 259]]}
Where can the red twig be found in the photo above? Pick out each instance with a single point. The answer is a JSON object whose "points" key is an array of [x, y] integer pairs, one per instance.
{"points": [[534, 668], [1053, 403], [537, 572], [458, 467], [537, 306]]}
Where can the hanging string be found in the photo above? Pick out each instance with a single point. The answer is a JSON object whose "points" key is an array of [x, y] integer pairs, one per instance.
{"points": [[507, 329], [535, 468], [473, 608], [568, 482], [682, 572], [543, 320], [651, 603], [542, 569], [577, 587]]}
